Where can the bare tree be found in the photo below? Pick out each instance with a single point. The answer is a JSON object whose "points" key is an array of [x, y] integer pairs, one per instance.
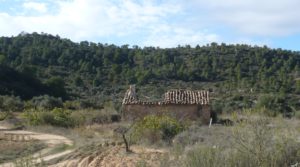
{"points": [[123, 130]]}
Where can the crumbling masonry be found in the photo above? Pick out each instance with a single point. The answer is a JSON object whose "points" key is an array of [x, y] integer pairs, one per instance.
{"points": [[181, 104]]}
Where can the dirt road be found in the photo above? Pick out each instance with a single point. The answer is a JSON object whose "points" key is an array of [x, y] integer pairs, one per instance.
{"points": [[51, 140]]}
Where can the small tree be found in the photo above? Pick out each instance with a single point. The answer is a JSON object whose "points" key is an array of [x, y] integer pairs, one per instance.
{"points": [[122, 131]]}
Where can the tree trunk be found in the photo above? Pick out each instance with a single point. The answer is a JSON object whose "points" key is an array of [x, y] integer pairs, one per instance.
{"points": [[126, 143]]}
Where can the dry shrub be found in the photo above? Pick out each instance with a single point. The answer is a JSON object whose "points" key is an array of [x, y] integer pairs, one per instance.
{"points": [[204, 156], [255, 142]]}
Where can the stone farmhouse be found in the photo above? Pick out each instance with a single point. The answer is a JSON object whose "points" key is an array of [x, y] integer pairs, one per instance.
{"points": [[180, 104]]}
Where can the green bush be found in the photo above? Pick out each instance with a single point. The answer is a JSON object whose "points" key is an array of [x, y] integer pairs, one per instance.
{"points": [[275, 104], [154, 128], [46, 102], [47, 117], [62, 118], [72, 105], [78, 118], [11, 103], [68, 118], [33, 117], [82, 104], [56, 117]]}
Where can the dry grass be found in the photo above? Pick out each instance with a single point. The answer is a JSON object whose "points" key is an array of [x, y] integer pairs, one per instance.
{"points": [[273, 141], [255, 141], [83, 135], [10, 150]]}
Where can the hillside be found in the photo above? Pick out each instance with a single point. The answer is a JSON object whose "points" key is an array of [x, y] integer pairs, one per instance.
{"points": [[99, 72], [14, 82]]}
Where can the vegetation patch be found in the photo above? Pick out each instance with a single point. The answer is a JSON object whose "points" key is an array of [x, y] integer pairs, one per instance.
{"points": [[68, 118], [256, 141], [10, 150], [155, 128]]}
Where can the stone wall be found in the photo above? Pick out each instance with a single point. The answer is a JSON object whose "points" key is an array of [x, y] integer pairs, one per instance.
{"points": [[178, 111]]}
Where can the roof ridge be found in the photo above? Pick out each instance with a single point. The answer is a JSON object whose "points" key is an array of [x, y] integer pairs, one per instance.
{"points": [[175, 96]]}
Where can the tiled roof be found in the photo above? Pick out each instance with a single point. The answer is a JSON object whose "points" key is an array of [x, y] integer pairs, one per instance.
{"points": [[171, 97], [186, 97]]}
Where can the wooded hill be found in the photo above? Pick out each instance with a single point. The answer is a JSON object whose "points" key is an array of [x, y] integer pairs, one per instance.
{"points": [[37, 64]]}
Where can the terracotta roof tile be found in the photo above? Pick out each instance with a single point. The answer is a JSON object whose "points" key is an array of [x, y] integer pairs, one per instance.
{"points": [[178, 96]]}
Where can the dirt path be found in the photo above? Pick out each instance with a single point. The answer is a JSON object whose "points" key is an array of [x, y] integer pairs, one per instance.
{"points": [[115, 156], [2, 128], [51, 140]]}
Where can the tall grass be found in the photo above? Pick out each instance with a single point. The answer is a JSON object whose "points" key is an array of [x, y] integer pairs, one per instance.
{"points": [[254, 141]]}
